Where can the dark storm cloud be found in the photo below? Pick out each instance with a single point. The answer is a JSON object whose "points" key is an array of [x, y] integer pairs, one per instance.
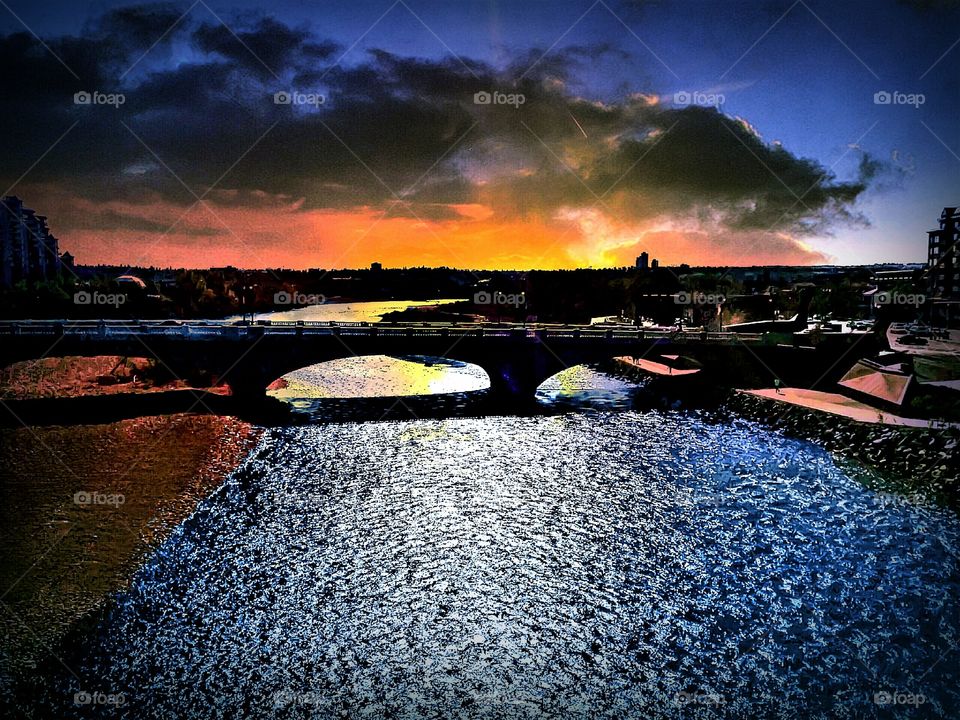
{"points": [[269, 46], [113, 220], [206, 97], [706, 159], [128, 29]]}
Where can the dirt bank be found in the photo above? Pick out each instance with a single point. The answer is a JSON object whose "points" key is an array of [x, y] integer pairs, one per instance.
{"points": [[85, 504], [80, 376]]}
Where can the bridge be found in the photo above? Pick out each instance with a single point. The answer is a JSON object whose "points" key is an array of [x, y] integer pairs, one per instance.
{"points": [[517, 358]]}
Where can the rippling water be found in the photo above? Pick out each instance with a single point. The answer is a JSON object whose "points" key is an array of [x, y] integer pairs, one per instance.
{"points": [[379, 376], [591, 564]]}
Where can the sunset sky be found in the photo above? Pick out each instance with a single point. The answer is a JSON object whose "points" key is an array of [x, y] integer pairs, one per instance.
{"points": [[700, 131]]}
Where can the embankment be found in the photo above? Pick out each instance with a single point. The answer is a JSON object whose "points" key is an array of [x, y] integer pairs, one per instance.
{"points": [[915, 460], [83, 505]]}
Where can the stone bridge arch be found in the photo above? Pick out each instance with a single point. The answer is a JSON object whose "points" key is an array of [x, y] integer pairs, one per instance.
{"points": [[516, 359]]}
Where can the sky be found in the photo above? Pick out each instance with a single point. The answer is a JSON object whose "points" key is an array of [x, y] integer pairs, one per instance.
{"points": [[483, 134]]}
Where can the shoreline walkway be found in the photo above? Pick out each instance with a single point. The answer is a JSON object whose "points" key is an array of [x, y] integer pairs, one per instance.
{"points": [[836, 404]]}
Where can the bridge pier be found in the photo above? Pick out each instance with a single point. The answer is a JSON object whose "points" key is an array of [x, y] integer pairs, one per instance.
{"points": [[514, 380], [508, 391]]}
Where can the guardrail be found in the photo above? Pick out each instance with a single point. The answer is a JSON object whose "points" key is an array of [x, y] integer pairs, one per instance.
{"points": [[212, 329]]}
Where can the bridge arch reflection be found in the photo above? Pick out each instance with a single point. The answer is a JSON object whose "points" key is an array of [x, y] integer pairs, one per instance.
{"points": [[371, 376]]}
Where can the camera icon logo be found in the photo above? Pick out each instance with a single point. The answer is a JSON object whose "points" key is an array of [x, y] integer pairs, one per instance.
{"points": [[82, 98], [82, 698], [282, 97], [681, 98], [282, 298], [482, 98], [82, 298], [882, 98], [683, 298], [882, 698], [482, 298]]}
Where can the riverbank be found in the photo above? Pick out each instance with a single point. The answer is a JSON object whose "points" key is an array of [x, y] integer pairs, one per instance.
{"points": [[84, 505], [72, 377], [913, 460], [843, 406]]}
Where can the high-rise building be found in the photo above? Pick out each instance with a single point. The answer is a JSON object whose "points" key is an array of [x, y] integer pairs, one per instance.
{"points": [[28, 250], [654, 264], [13, 241], [943, 267], [643, 261]]}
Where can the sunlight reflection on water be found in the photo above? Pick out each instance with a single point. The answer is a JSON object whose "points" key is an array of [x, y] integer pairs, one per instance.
{"points": [[587, 565]]}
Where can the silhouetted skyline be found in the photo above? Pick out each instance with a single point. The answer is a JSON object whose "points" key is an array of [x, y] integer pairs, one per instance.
{"points": [[499, 135]]}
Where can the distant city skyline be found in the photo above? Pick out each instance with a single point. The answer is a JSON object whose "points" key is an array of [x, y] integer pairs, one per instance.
{"points": [[493, 135]]}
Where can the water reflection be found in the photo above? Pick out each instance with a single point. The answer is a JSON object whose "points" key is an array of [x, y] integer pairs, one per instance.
{"points": [[379, 375], [347, 312], [379, 387], [579, 565], [586, 387]]}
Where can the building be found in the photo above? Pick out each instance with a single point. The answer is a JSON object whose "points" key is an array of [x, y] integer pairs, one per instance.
{"points": [[374, 266], [654, 264], [902, 277], [942, 249], [643, 261], [28, 250]]}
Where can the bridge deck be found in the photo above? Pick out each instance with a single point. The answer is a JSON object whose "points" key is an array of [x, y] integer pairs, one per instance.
{"points": [[219, 329]]}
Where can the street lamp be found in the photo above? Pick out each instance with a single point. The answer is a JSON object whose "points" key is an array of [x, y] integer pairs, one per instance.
{"points": [[246, 288]]}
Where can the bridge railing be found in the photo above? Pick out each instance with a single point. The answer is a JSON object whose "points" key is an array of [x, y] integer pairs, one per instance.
{"points": [[216, 329]]}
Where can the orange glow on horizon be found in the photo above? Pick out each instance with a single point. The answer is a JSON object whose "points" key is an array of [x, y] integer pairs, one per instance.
{"points": [[469, 236]]}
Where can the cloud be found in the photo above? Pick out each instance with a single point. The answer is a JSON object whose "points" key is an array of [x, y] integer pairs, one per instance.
{"points": [[268, 47], [395, 134]]}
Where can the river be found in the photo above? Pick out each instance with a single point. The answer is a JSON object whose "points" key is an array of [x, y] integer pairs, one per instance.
{"points": [[360, 311], [591, 564], [596, 563]]}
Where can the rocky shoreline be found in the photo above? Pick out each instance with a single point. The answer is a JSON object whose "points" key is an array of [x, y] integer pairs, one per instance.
{"points": [[923, 463], [918, 461]]}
